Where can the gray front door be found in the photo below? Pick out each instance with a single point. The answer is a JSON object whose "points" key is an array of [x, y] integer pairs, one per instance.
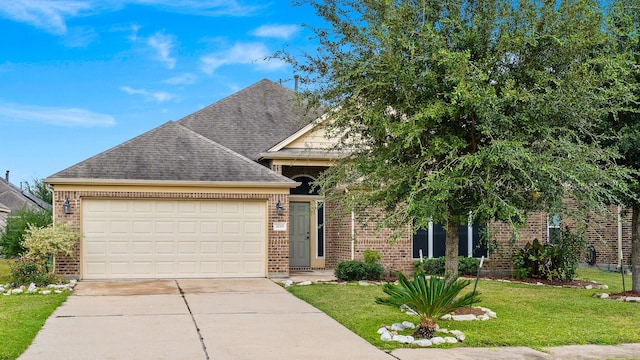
{"points": [[299, 250]]}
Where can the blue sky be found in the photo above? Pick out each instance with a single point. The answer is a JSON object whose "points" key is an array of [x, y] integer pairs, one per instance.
{"points": [[78, 77]]}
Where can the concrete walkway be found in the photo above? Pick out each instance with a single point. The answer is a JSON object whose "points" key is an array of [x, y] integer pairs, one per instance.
{"points": [[231, 319]]}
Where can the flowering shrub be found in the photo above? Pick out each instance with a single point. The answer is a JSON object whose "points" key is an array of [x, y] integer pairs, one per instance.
{"points": [[43, 243], [25, 271]]}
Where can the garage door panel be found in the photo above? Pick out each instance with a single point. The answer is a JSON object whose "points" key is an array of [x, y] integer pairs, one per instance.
{"points": [[173, 238], [119, 227], [165, 247], [209, 248], [164, 228]]}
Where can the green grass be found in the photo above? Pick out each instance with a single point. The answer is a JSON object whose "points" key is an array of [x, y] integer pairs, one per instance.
{"points": [[5, 274], [22, 316], [528, 315]]}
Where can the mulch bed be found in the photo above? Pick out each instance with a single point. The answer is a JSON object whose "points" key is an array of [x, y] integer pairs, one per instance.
{"points": [[556, 283], [468, 311]]}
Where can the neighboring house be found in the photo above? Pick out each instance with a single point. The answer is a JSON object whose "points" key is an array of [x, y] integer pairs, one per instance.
{"points": [[224, 192], [12, 198], [4, 214]]}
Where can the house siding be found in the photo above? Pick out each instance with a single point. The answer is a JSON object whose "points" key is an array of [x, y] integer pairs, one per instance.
{"points": [[277, 243]]}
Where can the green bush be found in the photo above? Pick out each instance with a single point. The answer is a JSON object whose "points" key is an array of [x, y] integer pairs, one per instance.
{"points": [[466, 265], [371, 256], [354, 270], [17, 224], [25, 271], [550, 261]]}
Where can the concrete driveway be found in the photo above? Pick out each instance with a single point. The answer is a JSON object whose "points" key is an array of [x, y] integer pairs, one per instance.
{"points": [[231, 319], [193, 319]]}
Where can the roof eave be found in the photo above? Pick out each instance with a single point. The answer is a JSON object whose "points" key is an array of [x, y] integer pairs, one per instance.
{"points": [[213, 184]]}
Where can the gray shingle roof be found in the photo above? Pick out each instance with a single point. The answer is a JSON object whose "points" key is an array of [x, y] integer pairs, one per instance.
{"points": [[252, 120], [174, 153], [13, 198]]}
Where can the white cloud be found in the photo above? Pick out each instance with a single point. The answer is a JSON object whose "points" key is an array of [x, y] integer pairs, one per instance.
{"points": [[162, 44], [241, 53], [277, 31], [49, 16], [55, 115], [52, 15], [157, 96], [80, 37], [184, 79], [203, 7]]}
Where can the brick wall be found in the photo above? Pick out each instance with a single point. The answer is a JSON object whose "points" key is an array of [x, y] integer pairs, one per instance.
{"points": [[601, 233], [278, 241]]}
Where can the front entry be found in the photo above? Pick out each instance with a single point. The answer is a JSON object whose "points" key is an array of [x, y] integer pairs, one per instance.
{"points": [[299, 241]]}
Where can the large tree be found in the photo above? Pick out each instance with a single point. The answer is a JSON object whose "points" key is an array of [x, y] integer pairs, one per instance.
{"points": [[625, 124], [456, 107]]}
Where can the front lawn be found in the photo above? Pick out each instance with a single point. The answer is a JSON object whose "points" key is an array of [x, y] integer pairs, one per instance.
{"points": [[5, 273], [22, 316], [528, 315]]}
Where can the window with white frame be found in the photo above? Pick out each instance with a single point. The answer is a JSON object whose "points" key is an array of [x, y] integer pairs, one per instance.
{"points": [[430, 242], [553, 228]]}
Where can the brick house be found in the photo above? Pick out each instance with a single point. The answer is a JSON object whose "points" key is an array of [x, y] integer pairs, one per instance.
{"points": [[224, 192]]}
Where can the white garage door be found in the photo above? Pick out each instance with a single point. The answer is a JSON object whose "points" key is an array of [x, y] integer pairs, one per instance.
{"points": [[172, 239]]}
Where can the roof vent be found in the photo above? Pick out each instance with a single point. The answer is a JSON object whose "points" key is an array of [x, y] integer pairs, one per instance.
{"points": [[6, 176]]}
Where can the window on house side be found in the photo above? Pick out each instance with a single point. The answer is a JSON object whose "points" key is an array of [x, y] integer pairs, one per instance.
{"points": [[553, 228]]}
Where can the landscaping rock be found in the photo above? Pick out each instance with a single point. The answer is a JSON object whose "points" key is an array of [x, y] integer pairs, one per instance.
{"points": [[16, 291], [364, 283], [32, 288], [458, 334], [408, 325], [397, 327], [403, 339], [45, 292], [304, 283], [450, 340], [383, 330], [466, 317], [422, 342], [287, 283], [386, 336], [632, 298], [437, 340], [446, 317]]}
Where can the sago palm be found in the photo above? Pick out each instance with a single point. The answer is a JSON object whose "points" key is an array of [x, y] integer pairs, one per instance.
{"points": [[429, 298]]}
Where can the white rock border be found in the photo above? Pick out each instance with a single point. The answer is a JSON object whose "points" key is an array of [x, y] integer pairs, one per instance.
{"points": [[488, 314], [7, 290], [617, 297], [390, 333]]}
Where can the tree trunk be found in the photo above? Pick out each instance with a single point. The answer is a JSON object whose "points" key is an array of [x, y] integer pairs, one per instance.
{"points": [[635, 247], [451, 246]]}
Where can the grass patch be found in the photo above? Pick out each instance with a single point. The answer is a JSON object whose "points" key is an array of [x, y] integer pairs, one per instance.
{"points": [[5, 272], [528, 315], [22, 316]]}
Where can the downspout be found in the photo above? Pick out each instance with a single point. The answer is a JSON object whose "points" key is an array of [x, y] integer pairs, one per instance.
{"points": [[353, 235], [619, 237]]}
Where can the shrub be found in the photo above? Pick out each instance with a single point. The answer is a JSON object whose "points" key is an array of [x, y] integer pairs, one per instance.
{"points": [[25, 271], [12, 236], [354, 270], [550, 261], [44, 243], [371, 256], [429, 298], [466, 265]]}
